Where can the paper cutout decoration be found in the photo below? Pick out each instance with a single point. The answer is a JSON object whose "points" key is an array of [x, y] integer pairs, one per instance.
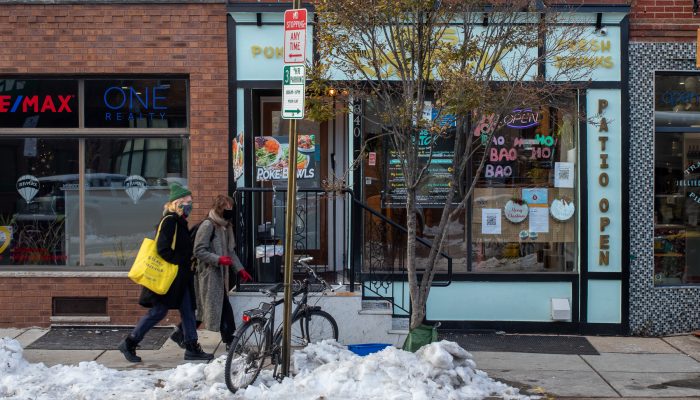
{"points": [[562, 210], [135, 187], [28, 187], [515, 211]]}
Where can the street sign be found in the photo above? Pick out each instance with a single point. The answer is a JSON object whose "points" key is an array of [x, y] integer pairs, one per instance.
{"points": [[295, 36], [293, 91]]}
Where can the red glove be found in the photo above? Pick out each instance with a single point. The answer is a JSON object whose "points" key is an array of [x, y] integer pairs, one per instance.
{"points": [[225, 260], [245, 276]]}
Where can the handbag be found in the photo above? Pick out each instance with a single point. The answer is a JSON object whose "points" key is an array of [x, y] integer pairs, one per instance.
{"points": [[150, 269]]}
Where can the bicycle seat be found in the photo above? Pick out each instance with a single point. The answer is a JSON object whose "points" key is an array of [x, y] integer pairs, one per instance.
{"points": [[272, 290]]}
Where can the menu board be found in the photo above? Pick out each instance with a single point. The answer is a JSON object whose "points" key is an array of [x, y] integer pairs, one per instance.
{"points": [[432, 192], [272, 157]]}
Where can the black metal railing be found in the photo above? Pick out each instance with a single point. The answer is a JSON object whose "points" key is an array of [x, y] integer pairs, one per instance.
{"points": [[349, 241], [321, 216], [383, 269]]}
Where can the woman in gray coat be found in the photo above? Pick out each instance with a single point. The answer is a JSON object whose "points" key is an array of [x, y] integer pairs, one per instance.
{"points": [[214, 248]]}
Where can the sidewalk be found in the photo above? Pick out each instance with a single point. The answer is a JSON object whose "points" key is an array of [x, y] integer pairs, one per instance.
{"points": [[627, 367]]}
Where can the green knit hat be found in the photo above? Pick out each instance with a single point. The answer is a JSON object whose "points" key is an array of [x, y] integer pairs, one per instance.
{"points": [[178, 191]]}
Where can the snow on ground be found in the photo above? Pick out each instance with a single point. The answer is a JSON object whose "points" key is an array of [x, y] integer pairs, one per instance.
{"points": [[327, 370]]}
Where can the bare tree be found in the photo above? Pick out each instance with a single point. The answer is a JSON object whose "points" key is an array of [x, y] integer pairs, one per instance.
{"points": [[474, 61]]}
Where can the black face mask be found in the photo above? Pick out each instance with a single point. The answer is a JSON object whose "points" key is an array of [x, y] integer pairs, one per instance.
{"points": [[228, 214]]}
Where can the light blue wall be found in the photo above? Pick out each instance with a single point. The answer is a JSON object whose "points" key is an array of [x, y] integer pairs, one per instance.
{"points": [[496, 301], [604, 301]]}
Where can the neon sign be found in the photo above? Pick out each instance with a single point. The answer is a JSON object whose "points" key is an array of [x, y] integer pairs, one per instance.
{"points": [[129, 103], [522, 119], [49, 103]]}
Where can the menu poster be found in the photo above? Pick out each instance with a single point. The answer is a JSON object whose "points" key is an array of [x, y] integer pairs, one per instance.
{"points": [[272, 157], [433, 189], [491, 221], [539, 219]]}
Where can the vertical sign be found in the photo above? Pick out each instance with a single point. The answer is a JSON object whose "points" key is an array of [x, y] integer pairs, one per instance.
{"points": [[295, 36], [697, 51], [293, 91]]}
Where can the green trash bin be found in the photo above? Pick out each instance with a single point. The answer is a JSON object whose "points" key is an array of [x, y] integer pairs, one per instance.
{"points": [[419, 337]]}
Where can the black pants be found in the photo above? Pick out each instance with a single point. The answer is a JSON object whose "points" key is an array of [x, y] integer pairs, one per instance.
{"points": [[228, 324]]}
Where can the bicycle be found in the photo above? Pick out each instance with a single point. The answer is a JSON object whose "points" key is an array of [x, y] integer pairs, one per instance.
{"points": [[257, 340]]}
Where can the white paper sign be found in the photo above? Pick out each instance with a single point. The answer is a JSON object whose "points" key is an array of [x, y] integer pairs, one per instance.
{"points": [[539, 219], [563, 174], [491, 221]]}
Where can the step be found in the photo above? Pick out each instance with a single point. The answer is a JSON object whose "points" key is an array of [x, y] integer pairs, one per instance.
{"points": [[400, 324]]}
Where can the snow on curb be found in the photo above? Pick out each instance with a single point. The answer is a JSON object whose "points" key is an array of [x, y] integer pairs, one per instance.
{"points": [[327, 370]]}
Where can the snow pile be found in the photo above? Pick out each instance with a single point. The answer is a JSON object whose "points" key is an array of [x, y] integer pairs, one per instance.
{"points": [[440, 370], [324, 371]]}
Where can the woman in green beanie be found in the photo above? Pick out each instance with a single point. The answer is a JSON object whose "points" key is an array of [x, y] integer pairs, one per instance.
{"points": [[174, 246]]}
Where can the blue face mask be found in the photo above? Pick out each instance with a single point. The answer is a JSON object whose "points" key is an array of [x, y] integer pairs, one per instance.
{"points": [[186, 209]]}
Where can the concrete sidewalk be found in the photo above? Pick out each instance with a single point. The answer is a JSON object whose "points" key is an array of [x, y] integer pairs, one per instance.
{"points": [[627, 367]]}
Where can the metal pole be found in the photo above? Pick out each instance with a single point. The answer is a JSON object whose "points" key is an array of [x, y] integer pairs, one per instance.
{"points": [[289, 245]]}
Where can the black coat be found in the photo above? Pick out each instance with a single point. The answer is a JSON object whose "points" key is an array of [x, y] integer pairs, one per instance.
{"points": [[181, 256]]}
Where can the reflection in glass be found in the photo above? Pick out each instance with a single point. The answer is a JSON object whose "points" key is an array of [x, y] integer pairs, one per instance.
{"points": [[38, 175], [127, 184], [676, 209]]}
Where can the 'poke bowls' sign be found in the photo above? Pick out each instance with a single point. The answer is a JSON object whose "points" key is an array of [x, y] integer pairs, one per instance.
{"points": [[272, 157]]}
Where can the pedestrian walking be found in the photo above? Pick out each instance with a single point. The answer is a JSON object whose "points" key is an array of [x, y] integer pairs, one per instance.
{"points": [[180, 296], [215, 250]]}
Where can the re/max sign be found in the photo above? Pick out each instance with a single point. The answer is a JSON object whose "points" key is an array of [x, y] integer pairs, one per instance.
{"points": [[129, 103], [36, 103]]}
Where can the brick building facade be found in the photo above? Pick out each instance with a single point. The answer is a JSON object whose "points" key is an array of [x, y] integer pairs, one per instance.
{"points": [[110, 40]]}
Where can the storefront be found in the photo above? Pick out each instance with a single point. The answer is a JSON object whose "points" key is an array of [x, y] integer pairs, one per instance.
{"points": [[665, 149], [542, 245], [90, 141]]}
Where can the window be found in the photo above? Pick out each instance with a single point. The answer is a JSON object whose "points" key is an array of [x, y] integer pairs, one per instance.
{"points": [[36, 201], [125, 176], [677, 180], [525, 202], [523, 216]]}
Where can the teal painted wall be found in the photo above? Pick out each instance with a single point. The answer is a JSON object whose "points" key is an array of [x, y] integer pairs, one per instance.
{"points": [[604, 301]]}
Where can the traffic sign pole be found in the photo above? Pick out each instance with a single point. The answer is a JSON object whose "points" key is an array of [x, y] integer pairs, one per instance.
{"points": [[292, 74]]}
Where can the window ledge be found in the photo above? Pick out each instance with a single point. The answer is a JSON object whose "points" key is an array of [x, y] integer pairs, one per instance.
{"points": [[61, 274], [79, 319]]}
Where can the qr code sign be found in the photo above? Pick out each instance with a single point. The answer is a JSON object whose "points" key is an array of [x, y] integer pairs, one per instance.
{"points": [[564, 174], [491, 220]]}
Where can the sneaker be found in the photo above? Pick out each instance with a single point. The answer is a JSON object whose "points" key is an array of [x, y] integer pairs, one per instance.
{"points": [[128, 349], [193, 351]]}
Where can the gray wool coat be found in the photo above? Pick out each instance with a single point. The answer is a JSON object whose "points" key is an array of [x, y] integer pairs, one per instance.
{"points": [[211, 278]]}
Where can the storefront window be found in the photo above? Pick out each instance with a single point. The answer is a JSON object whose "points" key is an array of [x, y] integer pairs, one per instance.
{"points": [[127, 184], [525, 203], [676, 180], [38, 175]]}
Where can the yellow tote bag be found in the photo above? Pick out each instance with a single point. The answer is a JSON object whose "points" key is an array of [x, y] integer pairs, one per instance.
{"points": [[150, 270]]}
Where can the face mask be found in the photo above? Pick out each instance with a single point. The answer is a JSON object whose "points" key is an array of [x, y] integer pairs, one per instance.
{"points": [[228, 214], [186, 209]]}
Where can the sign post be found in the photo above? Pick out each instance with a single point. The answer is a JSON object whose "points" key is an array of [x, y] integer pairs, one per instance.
{"points": [[293, 85]]}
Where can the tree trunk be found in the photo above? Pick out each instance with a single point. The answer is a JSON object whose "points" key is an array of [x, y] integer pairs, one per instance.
{"points": [[417, 301]]}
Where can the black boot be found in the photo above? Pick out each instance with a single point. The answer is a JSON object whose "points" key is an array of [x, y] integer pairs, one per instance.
{"points": [[193, 351], [128, 348], [178, 337]]}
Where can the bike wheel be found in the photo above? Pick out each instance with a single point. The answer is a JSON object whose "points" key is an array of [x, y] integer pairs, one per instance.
{"points": [[246, 355], [313, 327]]}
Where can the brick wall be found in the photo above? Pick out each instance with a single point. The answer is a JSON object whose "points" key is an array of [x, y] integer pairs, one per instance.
{"points": [[187, 39], [663, 21]]}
